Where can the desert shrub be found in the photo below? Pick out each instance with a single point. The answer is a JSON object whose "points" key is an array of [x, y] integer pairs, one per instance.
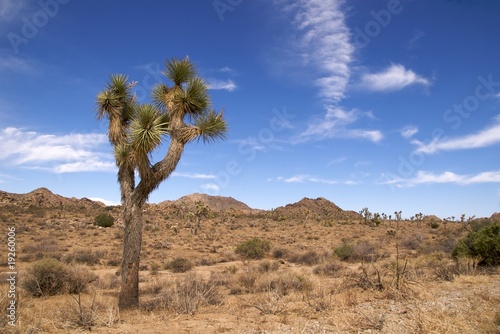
{"points": [[280, 252], [267, 266], [328, 269], [283, 283], [254, 248], [104, 220], [246, 282], [77, 278], [309, 258], [46, 247], [45, 277], [179, 265], [344, 252], [114, 262], [483, 244], [49, 276], [187, 296], [363, 251], [154, 268], [478, 224], [434, 225], [85, 256]]}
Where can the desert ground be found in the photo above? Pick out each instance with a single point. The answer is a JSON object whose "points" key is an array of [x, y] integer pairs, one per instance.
{"points": [[324, 270]]}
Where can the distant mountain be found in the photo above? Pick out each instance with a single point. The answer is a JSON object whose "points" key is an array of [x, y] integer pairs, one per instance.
{"points": [[215, 203], [319, 207], [44, 198]]}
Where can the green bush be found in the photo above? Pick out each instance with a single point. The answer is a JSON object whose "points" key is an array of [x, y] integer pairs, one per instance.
{"points": [[434, 225], [104, 220], [254, 248], [483, 244], [49, 277], [344, 252]]}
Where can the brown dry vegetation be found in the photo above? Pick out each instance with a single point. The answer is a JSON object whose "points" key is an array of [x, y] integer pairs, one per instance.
{"points": [[392, 280]]}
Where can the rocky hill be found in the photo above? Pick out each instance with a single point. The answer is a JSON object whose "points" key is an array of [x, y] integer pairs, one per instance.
{"points": [[315, 208], [214, 203], [44, 198]]}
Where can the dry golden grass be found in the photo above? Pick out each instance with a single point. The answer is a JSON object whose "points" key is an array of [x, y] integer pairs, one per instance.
{"points": [[393, 283]]}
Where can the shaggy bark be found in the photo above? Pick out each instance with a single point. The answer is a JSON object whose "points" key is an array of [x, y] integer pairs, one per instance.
{"points": [[132, 239], [133, 200]]}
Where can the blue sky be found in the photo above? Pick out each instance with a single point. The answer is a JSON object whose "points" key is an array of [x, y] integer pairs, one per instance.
{"points": [[391, 105]]}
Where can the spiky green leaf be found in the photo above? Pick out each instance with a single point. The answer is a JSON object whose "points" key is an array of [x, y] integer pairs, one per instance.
{"points": [[211, 126], [179, 71], [147, 127]]}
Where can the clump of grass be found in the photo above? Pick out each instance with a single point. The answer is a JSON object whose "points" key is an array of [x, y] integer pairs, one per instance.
{"points": [[187, 295]]}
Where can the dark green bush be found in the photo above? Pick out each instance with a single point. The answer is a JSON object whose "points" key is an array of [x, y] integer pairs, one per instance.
{"points": [[344, 252], [104, 220], [483, 243], [434, 225], [254, 248]]}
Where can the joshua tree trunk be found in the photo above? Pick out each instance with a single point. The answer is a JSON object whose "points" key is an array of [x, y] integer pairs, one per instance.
{"points": [[132, 239], [133, 199]]}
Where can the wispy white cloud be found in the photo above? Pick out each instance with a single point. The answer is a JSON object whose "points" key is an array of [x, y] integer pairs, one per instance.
{"points": [[413, 43], [90, 165], [304, 178], [58, 154], [14, 64], [486, 137], [408, 131], [251, 143], [226, 69], [194, 175], [335, 124], [425, 177], [217, 84], [393, 78], [210, 187], [336, 161], [360, 164]]}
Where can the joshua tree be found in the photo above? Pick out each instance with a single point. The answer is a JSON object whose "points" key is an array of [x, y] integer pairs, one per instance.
{"points": [[397, 217], [366, 214], [419, 217], [200, 210], [180, 113]]}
